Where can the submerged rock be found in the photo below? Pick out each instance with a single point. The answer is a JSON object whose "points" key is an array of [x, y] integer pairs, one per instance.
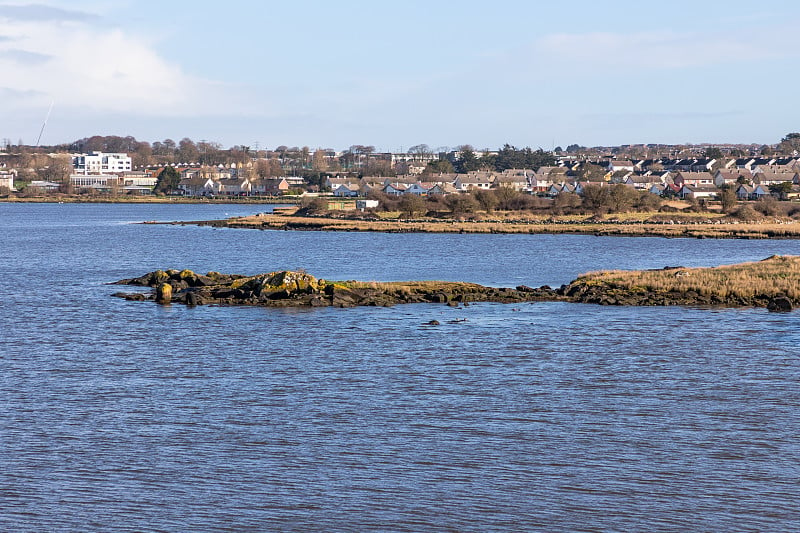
{"points": [[780, 304]]}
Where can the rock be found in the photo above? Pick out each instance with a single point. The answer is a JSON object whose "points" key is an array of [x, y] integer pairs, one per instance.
{"points": [[164, 293], [192, 299], [157, 277], [135, 297], [780, 304], [318, 301], [432, 323]]}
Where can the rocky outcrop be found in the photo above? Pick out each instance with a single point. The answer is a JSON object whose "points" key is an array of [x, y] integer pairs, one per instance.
{"points": [[300, 289]]}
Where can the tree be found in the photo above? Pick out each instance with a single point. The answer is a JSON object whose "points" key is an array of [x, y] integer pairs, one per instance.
{"points": [[713, 153], [781, 190], [442, 166], [507, 197], [591, 172], [168, 180], [460, 204], [319, 161], [790, 143], [187, 151], [621, 198], [420, 151], [512, 157], [727, 197], [467, 160], [412, 206], [486, 199], [595, 197]]}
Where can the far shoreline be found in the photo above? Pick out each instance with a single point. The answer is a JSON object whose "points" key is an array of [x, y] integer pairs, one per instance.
{"points": [[67, 199], [712, 229]]}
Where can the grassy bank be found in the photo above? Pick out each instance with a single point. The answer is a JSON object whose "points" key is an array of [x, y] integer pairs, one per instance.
{"points": [[712, 226], [744, 283]]}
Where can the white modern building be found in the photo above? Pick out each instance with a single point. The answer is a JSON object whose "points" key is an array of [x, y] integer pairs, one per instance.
{"points": [[101, 163]]}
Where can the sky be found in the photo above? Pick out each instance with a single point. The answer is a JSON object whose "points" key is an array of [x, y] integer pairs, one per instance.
{"points": [[395, 74]]}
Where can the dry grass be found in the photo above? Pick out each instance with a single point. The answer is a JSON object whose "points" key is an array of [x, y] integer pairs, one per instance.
{"points": [[770, 277], [412, 287], [701, 226]]}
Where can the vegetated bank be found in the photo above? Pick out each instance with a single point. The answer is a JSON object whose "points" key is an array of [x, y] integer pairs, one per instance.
{"points": [[643, 225], [773, 283]]}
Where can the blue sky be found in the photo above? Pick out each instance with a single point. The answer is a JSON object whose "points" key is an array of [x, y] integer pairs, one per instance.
{"points": [[334, 74]]}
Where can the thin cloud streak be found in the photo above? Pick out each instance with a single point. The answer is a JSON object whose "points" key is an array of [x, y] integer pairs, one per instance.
{"points": [[665, 49], [41, 13]]}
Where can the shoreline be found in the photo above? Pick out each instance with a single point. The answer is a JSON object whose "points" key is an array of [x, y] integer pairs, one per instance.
{"points": [[712, 229], [148, 200]]}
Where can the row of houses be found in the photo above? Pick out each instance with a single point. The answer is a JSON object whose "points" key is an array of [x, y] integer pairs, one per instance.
{"points": [[690, 164], [205, 186], [551, 181]]}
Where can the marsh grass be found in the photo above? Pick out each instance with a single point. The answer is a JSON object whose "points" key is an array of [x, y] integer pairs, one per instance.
{"points": [[701, 226], [413, 287], [777, 275]]}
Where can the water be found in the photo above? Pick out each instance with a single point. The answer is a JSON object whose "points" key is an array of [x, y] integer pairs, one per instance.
{"points": [[129, 416]]}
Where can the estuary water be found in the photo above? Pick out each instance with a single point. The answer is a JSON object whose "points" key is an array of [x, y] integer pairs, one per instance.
{"points": [[129, 416]]}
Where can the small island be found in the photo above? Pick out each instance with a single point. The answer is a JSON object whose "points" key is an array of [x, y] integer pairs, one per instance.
{"points": [[773, 283]]}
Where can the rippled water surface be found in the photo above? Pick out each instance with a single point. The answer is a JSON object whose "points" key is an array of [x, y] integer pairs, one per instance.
{"points": [[129, 416]]}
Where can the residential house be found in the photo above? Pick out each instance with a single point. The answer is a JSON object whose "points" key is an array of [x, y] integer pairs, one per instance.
{"points": [[702, 165], [233, 187], [732, 177], [196, 186], [560, 188], [773, 178], [7, 179], [394, 189], [367, 185], [332, 183], [617, 165], [474, 180], [751, 192], [418, 189], [643, 183], [440, 189], [545, 177], [516, 179], [270, 186], [694, 179], [698, 192], [347, 190]]}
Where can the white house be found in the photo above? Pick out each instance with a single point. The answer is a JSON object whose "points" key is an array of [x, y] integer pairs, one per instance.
{"points": [[346, 190], [7, 179]]}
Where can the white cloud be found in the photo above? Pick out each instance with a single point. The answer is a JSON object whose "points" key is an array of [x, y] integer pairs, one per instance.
{"points": [[91, 66]]}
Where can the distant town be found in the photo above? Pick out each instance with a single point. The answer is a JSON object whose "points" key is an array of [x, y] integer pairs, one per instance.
{"points": [[116, 167]]}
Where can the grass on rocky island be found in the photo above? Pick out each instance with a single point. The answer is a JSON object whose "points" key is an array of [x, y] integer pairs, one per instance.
{"points": [[774, 276], [412, 287]]}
